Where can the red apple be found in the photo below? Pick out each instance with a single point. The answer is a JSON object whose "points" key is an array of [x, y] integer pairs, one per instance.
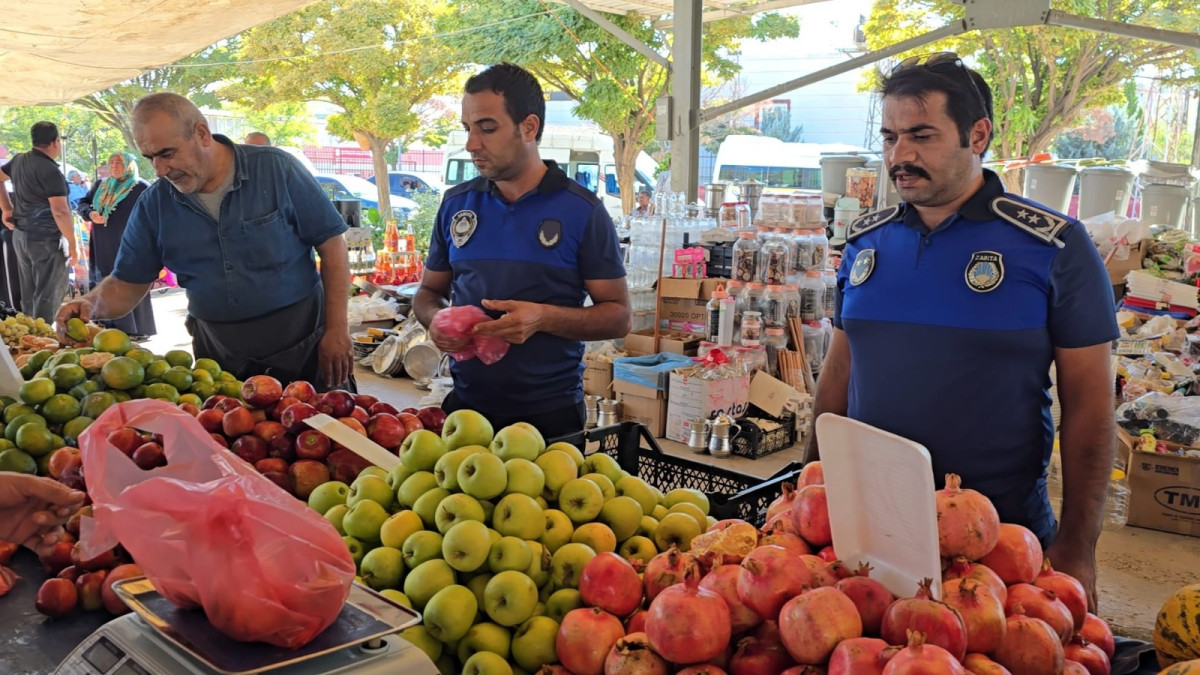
{"points": [[262, 391], [60, 460], [7, 549], [89, 586], [268, 430], [301, 391], [70, 573], [220, 440], [229, 404], [212, 401], [410, 422], [149, 456], [276, 410], [345, 465], [72, 477], [336, 403], [258, 415], [75, 522], [353, 424], [59, 556], [312, 444], [189, 408], [386, 430], [382, 407], [293, 418], [211, 420], [114, 604], [361, 415], [126, 440], [433, 418], [250, 448], [270, 464], [103, 561], [237, 422], [365, 401], [282, 479], [56, 598], [307, 474], [283, 446], [410, 411]]}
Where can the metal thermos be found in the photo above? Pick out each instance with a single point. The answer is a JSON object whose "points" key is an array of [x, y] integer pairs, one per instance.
{"points": [[608, 413], [592, 406], [722, 430], [698, 435], [714, 196]]}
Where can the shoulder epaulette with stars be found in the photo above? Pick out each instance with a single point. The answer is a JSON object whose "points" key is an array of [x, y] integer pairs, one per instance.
{"points": [[865, 223], [1036, 221]]}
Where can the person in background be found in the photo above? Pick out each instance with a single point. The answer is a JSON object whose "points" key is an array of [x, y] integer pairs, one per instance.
{"points": [[257, 138], [10, 273], [528, 245], [34, 509], [41, 219], [238, 225], [77, 187], [107, 206], [643, 208]]}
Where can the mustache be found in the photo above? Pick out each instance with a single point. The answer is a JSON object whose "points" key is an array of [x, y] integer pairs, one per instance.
{"points": [[910, 169]]}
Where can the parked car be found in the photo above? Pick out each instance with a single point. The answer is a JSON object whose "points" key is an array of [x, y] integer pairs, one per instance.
{"points": [[338, 186], [404, 184]]}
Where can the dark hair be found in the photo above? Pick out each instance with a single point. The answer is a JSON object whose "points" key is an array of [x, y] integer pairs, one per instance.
{"points": [[522, 93], [43, 134], [968, 96]]}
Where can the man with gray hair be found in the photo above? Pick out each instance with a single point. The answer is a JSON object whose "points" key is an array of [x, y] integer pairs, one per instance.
{"points": [[238, 225]]}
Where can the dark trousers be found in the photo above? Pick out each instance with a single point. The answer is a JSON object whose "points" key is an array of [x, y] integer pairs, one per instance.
{"points": [[10, 279], [552, 424], [42, 267]]}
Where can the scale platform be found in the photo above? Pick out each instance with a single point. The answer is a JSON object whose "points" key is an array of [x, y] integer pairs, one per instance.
{"points": [[159, 637]]}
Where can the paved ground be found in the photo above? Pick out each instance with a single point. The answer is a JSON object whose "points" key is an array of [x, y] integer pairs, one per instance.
{"points": [[1139, 568]]}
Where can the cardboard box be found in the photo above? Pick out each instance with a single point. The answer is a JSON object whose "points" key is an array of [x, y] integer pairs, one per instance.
{"points": [[639, 390], [597, 377], [1117, 269], [650, 412], [681, 303], [1164, 492], [692, 397], [642, 342]]}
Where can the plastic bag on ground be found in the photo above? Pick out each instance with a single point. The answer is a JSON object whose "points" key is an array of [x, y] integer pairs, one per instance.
{"points": [[209, 531], [458, 322]]}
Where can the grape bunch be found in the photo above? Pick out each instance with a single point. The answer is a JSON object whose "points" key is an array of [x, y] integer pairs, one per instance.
{"points": [[13, 328]]}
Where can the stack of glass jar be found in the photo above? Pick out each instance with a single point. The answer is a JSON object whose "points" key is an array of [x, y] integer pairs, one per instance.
{"points": [[646, 236]]}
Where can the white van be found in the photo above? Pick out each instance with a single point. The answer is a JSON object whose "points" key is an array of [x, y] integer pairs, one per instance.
{"points": [[778, 165], [585, 154]]}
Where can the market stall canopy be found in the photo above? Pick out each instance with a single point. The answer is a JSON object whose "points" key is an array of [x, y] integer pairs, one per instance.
{"points": [[712, 9], [55, 51]]}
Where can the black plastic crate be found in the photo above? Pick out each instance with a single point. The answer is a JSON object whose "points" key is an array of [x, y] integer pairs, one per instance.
{"points": [[752, 442], [720, 260], [730, 494]]}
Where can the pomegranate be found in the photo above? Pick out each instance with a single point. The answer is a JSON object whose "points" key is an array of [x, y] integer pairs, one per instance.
{"points": [[686, 623], [755, 657], [1096, 631], [7, 579], [703, 669], [982, 614], [827, 554], [1017, 557], [1030, 646], [585, 638], [782, 503], [1073, 668], [609, 582], [769, 577], [1068, 589], [961, 568], [978, 664], [819, 569], [791, 542], [631, 655], [810, 516], [726, 545], [859, 656], [781, 523], [870, 597], [813, 623], [722, 580], [839, 570], [811, 474], [1088, 655], [967, 522], [1042, 604], [665, 569], [636, 623], [804, 670], [939, 623], [920, 658]]}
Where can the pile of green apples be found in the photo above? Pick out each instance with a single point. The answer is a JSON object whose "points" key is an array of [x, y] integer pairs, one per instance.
{"points": [[486, 534]]}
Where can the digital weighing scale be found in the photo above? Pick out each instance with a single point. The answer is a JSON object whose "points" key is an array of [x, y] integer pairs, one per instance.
{"points": [[159, 638]]}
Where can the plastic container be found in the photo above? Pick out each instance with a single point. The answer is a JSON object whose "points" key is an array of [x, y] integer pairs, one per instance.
{"points": [[820, 252], [1103, 189], [745, 257], [833, 172], [745, 218], [803, 251], [774, 257], [830, 279], [775, 337], [791, 294], [774, 307], [753, 297], [727, 217], [752, 327], [720, 317], [1051, 185], [814, 345], [1165, 205], [812, 296]]}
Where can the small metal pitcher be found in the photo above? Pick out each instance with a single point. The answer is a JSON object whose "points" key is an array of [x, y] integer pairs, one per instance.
{"points": [[608, 412], [722, 430], [698, 435], [592, 406]]}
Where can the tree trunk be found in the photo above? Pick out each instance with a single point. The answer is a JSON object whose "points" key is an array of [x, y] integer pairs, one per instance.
{"points": [[379, 162], [625, 157]]}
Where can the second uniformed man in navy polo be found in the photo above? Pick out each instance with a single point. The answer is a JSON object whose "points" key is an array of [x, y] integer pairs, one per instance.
{"points": [[951, 308], [528, 245]]}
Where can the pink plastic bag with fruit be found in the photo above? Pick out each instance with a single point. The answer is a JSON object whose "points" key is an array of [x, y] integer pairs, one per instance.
{"points": [[209, 531], [459, 322]]}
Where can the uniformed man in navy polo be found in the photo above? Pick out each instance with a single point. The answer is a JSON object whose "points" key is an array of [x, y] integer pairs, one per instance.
{"points": [[528, 245], [952, 306]]}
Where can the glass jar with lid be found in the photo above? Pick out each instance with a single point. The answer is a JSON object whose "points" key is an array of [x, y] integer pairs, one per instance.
{"points": [[745, 219], [752, 328], [802, 258], [773, 306], [745, 257], [812, 296], [791, 295], [753, 296], [727, 217], [830, 279], [820, 252], [774, 257]]}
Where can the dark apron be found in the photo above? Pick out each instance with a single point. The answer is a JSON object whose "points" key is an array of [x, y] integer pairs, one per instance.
{"points": [[283, 344]]}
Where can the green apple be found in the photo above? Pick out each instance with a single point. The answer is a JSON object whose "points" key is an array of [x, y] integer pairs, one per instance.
{"points": [[558, 530], [398, 528], [484, 637], [465, 546], [371, 488], [598, 462], [520, 516], [489, 507], [364, 520], [448, 665], [420, 638], [510, 598], [709, 521], [638, 547], [539, 563], [693, 511], [558, 469], [622, 515], [421, 547], [427, 505], [417, 484], [678, 529], [425, 580], [537, 434], [533, 643], [581, 500], [606, 486], [421, 450], [397, 476], [659, 512], [493, 536], [446, 469], [680, 495], [635, 487], [517, 442], [482, 475], [328, 495], [647, 527], [569, 450], [524, 477], [541, 501], [562, 601], [510, 553], [486, 663], [597, 536], [466, 427], [374, 471], [449, 613], [335, 516], [356, 548], [455, 509], [566, 565], [382, 567], [477, 584], [396, 597]]}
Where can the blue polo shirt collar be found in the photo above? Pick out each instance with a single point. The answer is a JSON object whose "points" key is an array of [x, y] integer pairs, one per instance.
{"points": [[239, 170], [553, 180], [978, 208]]}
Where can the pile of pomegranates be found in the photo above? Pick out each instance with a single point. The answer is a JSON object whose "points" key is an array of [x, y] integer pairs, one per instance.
{"points": [[789, 606]]}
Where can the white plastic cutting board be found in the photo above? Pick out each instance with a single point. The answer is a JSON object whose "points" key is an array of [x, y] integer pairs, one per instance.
{"points": [[881, 507], [357, 443]]}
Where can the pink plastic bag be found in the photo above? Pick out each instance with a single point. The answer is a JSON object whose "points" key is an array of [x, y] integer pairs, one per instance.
{"points": [[457, 322], [209, 531]]}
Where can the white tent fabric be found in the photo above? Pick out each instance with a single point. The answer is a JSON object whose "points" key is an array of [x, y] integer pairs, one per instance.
{"points": [[55, 51]]}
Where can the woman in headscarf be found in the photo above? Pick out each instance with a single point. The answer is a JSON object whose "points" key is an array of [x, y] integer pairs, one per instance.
{"points": [[107, 207]]}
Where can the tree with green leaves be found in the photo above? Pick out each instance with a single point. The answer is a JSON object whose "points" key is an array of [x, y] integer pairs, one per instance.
{"points": [[76, 126], [285, 123], [777, 123], [615, 86], [1044, 77], [377, 60]]}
